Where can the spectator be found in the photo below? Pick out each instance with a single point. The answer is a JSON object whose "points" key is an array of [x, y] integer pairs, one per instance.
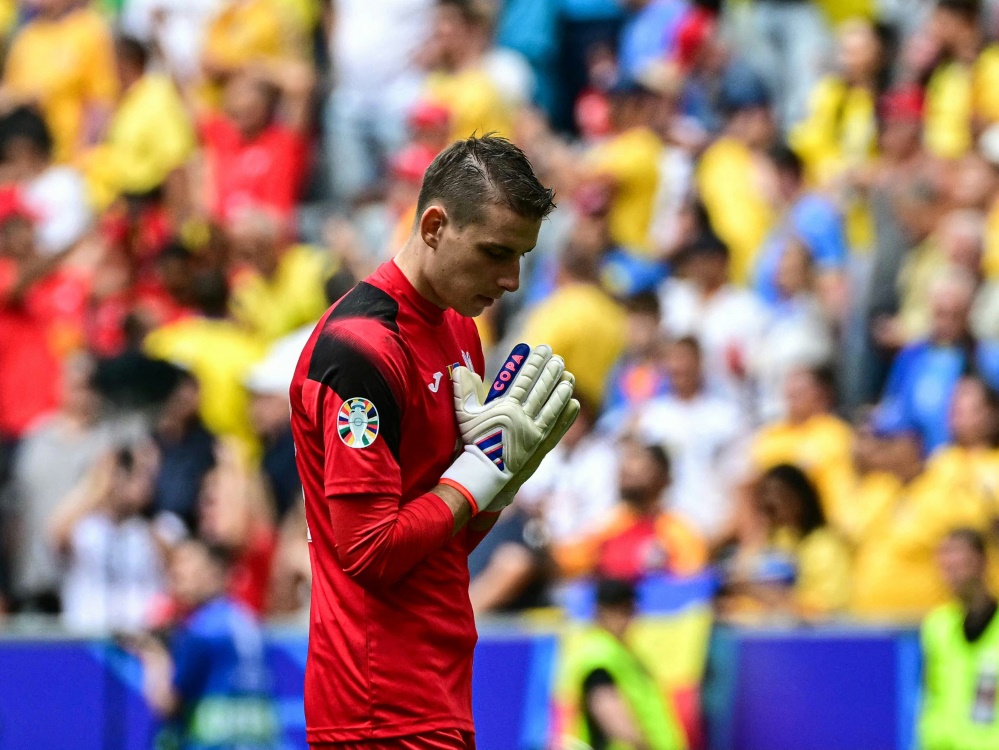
{"points": [[51, 460], [838, 139], [211, 683], [114, 560], [186, 451], [277, 286], [958, 95], [728, 322], [149, 137], [268, 383], [923, 375], [218, 352], [627, 166], [733, 167], [576, 483], [613, 698], [584, 324], [234, 512], [640, 373], [906, 513], [700, 432], [511, 569], [41, 310], [789, 43], [256, 148], [956, 242], [970, 462], [243, 34], [649, 33], [459, 79], [176, 28], [372, 96], [797, 334], [815, 581], [638, 537], [810, 437], [63, 60], [56, 194], [291, 578], [959, 639], [812, 220]]}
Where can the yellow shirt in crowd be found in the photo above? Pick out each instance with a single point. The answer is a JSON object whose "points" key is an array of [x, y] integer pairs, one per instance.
{"points": [[922, 265], [245, 31], [896, 574], [67, 65], [474, 101], [630, 161], [959, 98], [293, 296], [149, 136], [820, 446], [824, 570], [584, 325], [839, 134], [728, 180], [219, 353]]}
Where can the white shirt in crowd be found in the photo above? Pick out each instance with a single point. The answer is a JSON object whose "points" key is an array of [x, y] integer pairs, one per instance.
{"points": [[727, 324], [796, 336], [59, 197], [702, 437], [182, 33], [114, 574]]}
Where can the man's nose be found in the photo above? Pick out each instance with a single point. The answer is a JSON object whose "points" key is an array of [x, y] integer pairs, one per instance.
{"points": [[509, 281]]}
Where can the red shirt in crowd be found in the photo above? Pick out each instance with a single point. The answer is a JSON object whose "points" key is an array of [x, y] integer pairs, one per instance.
{"points": [[266, 171], [391, 627], [35, 331]]}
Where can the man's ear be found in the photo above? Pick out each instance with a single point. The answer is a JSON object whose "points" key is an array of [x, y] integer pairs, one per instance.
{"points": [[432, 224]]}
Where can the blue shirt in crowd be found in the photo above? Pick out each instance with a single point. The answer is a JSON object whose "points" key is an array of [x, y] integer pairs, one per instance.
{"points": [[921, 384], [814, 220], [222, 681]]}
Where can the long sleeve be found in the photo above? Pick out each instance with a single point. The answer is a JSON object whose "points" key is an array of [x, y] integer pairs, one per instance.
{"points": [[377, 538]]}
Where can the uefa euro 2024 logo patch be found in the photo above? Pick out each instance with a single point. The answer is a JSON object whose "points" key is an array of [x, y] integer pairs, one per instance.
{"points": [[357, 423]]}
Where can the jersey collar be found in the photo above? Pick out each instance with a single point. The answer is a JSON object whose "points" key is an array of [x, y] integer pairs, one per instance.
{"points": [[406, 291]]}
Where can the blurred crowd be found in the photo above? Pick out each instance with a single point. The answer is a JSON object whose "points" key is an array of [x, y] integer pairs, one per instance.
{"points": [[774, 271]]}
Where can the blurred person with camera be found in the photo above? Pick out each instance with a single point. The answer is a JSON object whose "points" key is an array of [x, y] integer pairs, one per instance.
{"points": [[51, 460], [210, 682], [114, 560], [960, 644]]}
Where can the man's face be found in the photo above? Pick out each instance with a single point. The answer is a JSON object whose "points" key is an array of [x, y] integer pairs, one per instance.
{"points": [[472, 266], [949, 308], [193, 576], [683, 366], [960, 565]]}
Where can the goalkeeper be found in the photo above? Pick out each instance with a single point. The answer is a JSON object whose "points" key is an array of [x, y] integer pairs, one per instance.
{"points": [[406, 460]]}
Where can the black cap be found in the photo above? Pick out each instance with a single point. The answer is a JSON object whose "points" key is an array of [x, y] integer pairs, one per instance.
{"points": [[615, 592]]}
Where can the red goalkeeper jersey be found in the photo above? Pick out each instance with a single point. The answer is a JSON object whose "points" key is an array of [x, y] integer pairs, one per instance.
{"points": [[391, 629]]}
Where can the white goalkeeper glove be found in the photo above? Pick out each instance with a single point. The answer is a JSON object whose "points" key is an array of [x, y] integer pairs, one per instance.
{"points": [[502, 436]]}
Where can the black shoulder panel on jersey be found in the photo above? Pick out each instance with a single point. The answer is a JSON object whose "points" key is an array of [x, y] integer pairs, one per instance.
{"points": [[342, 364], [367, 301]]}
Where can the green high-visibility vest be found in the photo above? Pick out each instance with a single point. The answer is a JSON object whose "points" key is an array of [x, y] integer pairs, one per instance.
{"points": [[654, 717], [960, 703]]}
